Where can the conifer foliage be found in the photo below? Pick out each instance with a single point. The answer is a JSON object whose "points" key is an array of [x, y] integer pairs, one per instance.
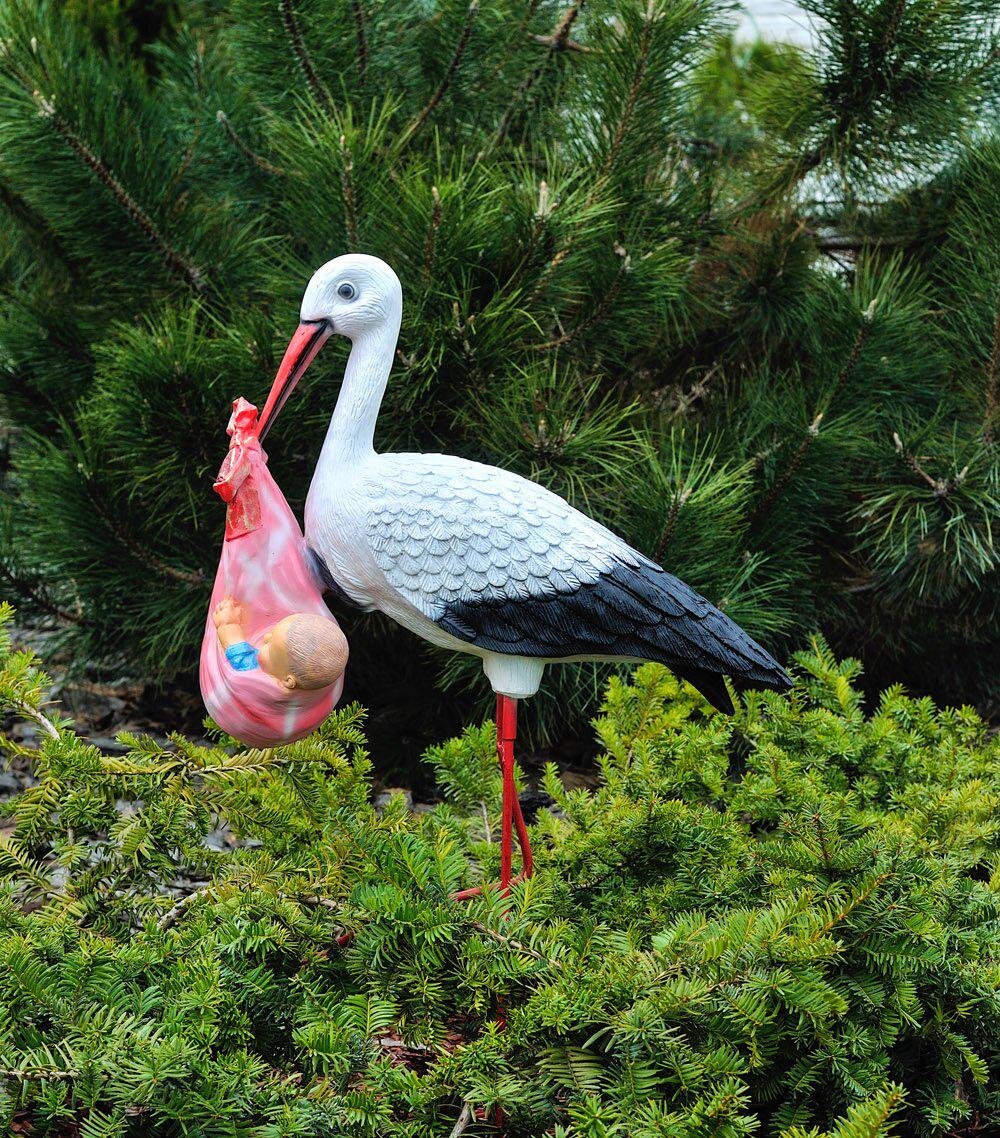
{"points": [[783, 923], [739, 303]]}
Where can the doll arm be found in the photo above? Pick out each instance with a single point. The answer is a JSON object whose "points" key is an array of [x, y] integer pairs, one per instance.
{"points": [[229, 618]]}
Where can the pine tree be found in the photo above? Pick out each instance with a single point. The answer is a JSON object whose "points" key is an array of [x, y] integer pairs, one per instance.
{"points": [[740, 303]]}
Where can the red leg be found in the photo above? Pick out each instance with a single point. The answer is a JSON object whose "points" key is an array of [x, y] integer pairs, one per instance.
{"points": [[512, 816], [511, 819], [506, 731]]}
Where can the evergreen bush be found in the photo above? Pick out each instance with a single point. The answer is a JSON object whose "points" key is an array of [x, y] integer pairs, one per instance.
{"points": [[741, 303], [785, 923]]}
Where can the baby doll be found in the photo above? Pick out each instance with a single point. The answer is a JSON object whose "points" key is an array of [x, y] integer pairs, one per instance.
{"points": [[302, 651]]}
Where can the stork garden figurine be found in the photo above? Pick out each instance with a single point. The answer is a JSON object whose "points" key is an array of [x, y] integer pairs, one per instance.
{"points": [[479, 559]]}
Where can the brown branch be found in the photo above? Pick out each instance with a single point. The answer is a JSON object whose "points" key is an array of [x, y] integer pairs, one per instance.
{"points": [[893, 27], [778, 488], [605, 303], [558, 41], [940, 487], [630, 100], [812, 431], [430, 245], [250, 155], [516, 945], [686, 400], [854, 242], [992, 383], [350, 206], [301, 53], [39, 598], [446, 79], [821, 838], [189, 153], [855, 354], [361, 36], [183, 268], [681, 495], [566, 45], [462, 1122], [148, 559], [27, 216], [505, 53]]}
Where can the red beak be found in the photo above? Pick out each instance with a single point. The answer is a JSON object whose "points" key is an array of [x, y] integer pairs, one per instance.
{"points": [[309, 337]]}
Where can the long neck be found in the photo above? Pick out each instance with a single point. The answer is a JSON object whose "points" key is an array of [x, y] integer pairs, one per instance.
{"points": [[351, 435]]}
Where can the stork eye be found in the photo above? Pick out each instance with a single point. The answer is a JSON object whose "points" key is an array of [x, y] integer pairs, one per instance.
{"points": [[347, 291]]}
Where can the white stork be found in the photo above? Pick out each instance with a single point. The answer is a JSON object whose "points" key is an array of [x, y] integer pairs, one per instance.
{"points": [[479, 559]]}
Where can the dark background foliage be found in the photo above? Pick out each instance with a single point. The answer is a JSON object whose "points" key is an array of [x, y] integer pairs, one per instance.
{"points": [[739, 302]]}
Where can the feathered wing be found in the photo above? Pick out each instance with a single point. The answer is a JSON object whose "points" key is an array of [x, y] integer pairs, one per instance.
{"points": [[500, 562]]}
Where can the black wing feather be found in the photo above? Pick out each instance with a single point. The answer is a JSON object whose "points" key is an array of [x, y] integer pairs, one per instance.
{"points": [[637, 612]]}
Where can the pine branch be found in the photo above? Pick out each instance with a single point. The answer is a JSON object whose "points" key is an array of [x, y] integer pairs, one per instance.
{"points": [[301, 53], [39, 598], [505, 53], [606, 301], [19, 209], [252, 157], [630, 99], [178, 264], [686, 400], [853, 356], [462, 1122], [681, 495], [150, 560], [347, 183], [555, 43], [941, 487], [992, 383], [446, 80], [853, 243], [362, 37], [430, 244], [892, 28], [812, 432]]}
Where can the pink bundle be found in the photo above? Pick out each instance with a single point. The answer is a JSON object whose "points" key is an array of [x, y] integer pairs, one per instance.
{"points": [[264, 564]]}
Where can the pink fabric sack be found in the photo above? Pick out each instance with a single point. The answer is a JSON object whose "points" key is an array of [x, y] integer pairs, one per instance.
{"points": [[264, 566]]}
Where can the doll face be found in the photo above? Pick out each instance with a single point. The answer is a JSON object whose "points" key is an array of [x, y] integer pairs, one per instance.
{"points": [[273, 654]]}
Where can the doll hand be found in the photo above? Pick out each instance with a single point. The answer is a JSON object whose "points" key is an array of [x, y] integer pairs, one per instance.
{"points": [[228, 611]]}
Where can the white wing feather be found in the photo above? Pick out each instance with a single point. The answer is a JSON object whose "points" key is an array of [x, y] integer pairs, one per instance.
{"points": [[443, 529]]}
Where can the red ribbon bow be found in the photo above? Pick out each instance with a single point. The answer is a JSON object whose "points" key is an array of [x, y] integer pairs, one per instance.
{"points": [[236, 482]]}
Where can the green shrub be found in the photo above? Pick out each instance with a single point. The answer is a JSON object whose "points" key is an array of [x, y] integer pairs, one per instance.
{"points": [[784, 923]]}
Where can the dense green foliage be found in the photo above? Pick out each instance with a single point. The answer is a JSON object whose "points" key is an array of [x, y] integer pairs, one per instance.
{"points": [[740, 303], [784, 923]]}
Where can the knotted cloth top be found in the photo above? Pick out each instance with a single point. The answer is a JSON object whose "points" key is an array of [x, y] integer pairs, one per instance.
{"points": [[235, 483]]}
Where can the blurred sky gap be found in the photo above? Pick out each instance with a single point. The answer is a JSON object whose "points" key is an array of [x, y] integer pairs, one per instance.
{"points": [[774, 20]]}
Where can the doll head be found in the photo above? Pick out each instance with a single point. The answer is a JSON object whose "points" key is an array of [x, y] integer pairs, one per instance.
{"points": [[304, 651]]}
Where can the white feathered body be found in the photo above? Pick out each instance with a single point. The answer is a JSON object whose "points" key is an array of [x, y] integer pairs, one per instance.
{"points": [[407, 534]]}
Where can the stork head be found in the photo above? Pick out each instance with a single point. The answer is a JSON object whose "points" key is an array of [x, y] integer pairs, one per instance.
{"points": [[353, 295]]}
